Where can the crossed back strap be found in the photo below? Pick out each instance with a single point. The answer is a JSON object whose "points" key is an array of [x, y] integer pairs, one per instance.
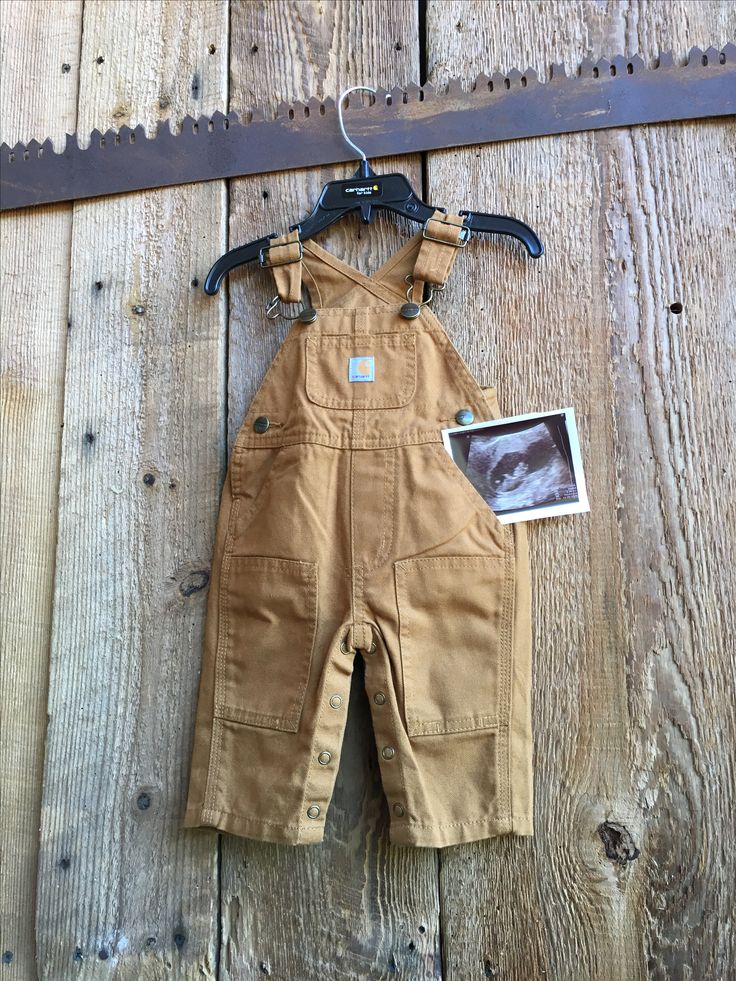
{"points": [[442, 238]]}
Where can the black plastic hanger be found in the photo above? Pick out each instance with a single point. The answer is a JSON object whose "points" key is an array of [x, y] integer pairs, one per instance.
{"points": [[366, 192]]}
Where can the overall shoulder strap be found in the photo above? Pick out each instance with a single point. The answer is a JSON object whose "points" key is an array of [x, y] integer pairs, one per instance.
{"points": [[442, 238], [284, 257]]}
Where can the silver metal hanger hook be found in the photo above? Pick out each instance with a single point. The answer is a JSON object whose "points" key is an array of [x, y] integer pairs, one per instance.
{"points": [[355, 88]]}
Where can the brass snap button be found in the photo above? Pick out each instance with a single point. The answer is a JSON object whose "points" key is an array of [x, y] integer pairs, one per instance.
{"points": [[398, 809], [313, 811], [379, 698], [410, 311], [464, 417], [261, 424], [387, 752], [308, 315], [324, 757], [336, 701]]}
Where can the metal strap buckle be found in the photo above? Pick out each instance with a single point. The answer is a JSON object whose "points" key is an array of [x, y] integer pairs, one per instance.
{"points": [[284, 262], [463, 229], [433, 288], [275, 309]]}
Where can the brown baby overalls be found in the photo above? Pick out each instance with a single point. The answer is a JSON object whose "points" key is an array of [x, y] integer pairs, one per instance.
{"points": [[345, 527]]}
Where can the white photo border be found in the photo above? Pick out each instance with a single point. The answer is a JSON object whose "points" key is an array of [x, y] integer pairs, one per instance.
{"points": [[548, 510]]}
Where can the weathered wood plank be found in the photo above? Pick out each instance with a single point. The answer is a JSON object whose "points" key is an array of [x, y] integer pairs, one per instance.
{"points": [[121, 885], [353, 906], [633, 603], [35, 278]]}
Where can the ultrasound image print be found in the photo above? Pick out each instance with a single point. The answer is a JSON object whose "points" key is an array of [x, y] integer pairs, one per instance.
{"points": [[529, 466]]}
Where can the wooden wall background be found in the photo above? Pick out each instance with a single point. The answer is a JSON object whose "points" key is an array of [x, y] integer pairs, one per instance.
{"points": [[116, 428]]}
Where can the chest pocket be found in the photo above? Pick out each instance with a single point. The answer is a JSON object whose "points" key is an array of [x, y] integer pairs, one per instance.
{"points": [[388, 359]]}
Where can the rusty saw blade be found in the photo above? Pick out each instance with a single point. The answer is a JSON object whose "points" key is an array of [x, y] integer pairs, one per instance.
{"points": [[621, 92]]}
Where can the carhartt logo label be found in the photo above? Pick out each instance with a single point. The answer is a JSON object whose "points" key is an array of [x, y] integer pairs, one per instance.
{"points": [[361, 369]]}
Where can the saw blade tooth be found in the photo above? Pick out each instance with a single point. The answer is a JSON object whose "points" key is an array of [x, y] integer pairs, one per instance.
{"points": [[314, 105], [618, 65], [585, 68], [480, 83], [48, 145], [109, 137], [713, 56], [329, 103], [500, 82], [303, 110], [188, 124], [94, 139], [637, 64], [558, 73], [664, 60], [530, 74], [282, 109], [70, 142], [695, 57], [382, 96], [231, 118], [602, 68], [729, 53], [163, 129], [395, 96], [454, 87]]}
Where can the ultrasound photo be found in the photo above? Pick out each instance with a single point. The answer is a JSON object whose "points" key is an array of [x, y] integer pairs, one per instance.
{"points": [[524, 467]]}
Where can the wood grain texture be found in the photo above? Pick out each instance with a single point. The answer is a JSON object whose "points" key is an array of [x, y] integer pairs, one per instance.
{"points": [[631, 871], [629, 318], [121, 888], [353, 907], [34, 261]]}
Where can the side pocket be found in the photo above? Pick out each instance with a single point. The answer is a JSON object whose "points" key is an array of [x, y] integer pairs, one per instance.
{"points": [[251, 473], [268, 627], [455, 622], [469, 489]]}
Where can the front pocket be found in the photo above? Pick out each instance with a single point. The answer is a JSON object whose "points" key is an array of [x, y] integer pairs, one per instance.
{"points": [[454, 637], [471, 492], [268, 627], [394, 370]]}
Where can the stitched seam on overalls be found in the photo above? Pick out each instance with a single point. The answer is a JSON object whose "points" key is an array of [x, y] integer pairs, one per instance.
{"points": [[489, 819], [389, 510], [503, 756], [216, 735], [457, 366], [436, 727], [399, 734], [369, 284], [363, 279], [315, 734], [212, 812]]}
